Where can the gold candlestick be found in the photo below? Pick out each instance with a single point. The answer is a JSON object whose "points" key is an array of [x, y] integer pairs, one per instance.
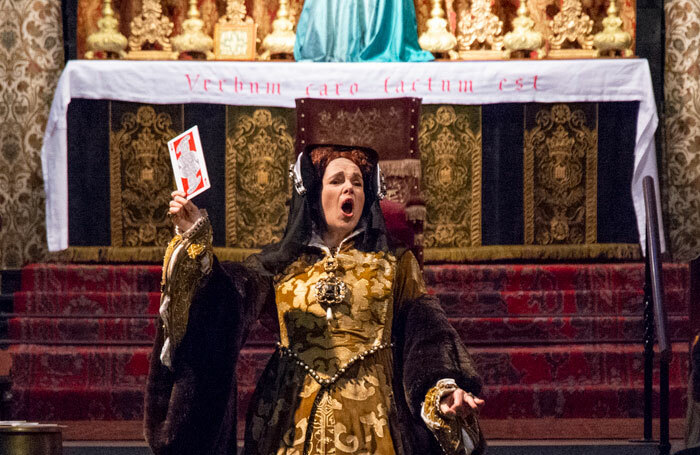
{"points": [[437, 38], [152, 28], [571, 25], [193, 38], [107, 39], [524, 37], [613, 38], [280, 42], [479, 33]]}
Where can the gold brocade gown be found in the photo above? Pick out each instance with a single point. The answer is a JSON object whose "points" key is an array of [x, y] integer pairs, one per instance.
{"points": [[344, 366]]}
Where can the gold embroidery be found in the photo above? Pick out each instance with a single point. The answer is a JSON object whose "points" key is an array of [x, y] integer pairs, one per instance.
{"points": [[140, 177], [560, 166], [348, 411], [450, 141], [259, 148]]}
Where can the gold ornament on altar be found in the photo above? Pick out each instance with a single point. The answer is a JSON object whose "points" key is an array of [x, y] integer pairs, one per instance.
{"points": [[479, 33], [524, 38], [613, 38], [107, 39], [154, 29], [234, 34], [280, 42], [437, 38], [193, 39], [571, 25]]}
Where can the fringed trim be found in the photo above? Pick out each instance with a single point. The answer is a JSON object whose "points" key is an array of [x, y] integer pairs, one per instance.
{"points": [[401, 168], [627, 251], [101, 254], [415, 213]]}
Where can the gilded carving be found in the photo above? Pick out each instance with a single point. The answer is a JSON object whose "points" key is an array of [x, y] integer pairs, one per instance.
{"points": [[560, 177], [571, 25], [141, 178], [478, 28], [450, 142], [259, 148], [151, 28]]}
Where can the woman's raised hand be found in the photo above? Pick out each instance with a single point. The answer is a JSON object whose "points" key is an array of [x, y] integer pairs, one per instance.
{"points": [[460, 403], [183, 212]]}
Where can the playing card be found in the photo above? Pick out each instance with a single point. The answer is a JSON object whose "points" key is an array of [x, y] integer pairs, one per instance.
{"points": [[189, 167]]}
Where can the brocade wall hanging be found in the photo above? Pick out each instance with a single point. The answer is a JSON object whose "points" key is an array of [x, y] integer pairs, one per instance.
{"points": [[681, 158], [259, 149], [506, 181], [31, 59]]}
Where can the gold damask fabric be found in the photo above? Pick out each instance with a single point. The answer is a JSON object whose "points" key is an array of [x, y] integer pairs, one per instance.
{"points": [[560, 174], [352, 413], [681, 157], [450, 143], [259, 149], [31, 59], [141, 177]]}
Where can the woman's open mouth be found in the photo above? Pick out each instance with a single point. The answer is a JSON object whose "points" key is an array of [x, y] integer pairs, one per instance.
{"points": [[347, 207]]}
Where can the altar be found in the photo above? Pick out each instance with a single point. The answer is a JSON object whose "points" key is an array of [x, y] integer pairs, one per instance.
{"points": [[499, 124]]}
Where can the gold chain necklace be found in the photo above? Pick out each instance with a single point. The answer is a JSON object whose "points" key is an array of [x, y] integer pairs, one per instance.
{"points": [[330, 291]]}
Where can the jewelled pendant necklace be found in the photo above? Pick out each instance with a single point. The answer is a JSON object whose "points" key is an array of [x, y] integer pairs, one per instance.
{"points": [[330, 290]]}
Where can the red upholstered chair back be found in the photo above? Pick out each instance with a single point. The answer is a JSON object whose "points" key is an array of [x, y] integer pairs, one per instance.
{"points": [[389, 126]]}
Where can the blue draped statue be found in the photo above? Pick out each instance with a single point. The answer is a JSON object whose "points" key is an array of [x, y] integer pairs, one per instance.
{"points": [[358, 31]]}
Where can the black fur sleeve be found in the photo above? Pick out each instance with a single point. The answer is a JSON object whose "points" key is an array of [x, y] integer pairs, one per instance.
{"points": [[192, 408]]}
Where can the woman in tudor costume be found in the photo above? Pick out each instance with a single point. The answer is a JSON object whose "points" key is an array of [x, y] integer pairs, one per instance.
{"points": [[367, 362]]}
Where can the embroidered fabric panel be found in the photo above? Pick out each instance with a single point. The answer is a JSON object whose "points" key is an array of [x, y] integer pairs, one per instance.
{"points": [[141, 177], [560, 174], [450, 142], [259, 149]]}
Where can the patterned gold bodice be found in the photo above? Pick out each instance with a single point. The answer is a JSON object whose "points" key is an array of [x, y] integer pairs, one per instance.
{"points": [[360, 323], [346, 396]]}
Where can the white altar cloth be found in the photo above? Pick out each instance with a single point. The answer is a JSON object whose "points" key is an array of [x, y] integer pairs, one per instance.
{"points": [[280, 83]]}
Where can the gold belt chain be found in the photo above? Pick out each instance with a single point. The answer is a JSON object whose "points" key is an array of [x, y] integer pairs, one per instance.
{"points": [[285, 351]]}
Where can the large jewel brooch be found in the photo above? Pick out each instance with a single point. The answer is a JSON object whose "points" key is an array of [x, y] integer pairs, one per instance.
{"points": [[330, 290]]}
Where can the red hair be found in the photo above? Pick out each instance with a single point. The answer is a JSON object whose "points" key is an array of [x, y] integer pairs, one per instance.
{"points": [[322, 155]]}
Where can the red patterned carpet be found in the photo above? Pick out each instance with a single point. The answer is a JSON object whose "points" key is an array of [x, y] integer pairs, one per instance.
{"points": [[551, 341]]}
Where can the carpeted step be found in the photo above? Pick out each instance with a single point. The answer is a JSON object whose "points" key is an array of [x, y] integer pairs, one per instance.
{"points": [[103, 330], [104, 383], [475, 331], [585, 302], [540, 330], [39, 366], [566, 365], [530, 277], [521, 402], [51, 277], [514, 401], [93, 303], [61, 403], [600, 364]]}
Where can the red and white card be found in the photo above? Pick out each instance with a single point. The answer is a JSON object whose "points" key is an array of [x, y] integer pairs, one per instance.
{"points": [[187, 157]]}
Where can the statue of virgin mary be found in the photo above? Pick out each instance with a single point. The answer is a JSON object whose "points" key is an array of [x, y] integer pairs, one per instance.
{"points": [[358, 31]]}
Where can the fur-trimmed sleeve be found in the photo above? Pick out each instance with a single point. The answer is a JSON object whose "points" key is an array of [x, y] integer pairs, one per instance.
{"points": [[430, 347], [190, 407]]}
